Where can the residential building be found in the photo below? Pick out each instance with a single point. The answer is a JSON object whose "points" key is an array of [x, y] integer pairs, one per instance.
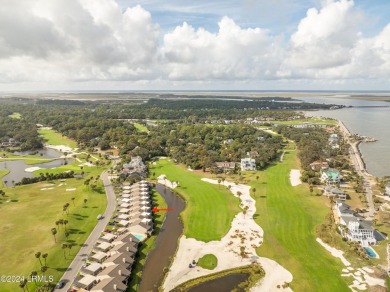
{"points": [[225, 166], [387, 189], [331, 175], [331, 191], [319, 165], [353, 227], [248, 164]]}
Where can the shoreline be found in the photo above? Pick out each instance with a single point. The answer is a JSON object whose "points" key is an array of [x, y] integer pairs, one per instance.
{"points": [[356, 159]]}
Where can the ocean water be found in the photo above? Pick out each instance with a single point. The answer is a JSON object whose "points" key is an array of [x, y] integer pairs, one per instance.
{"points": [[372, 122]]}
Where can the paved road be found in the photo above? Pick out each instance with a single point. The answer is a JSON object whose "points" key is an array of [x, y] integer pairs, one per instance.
{"points": [[78, 261]]}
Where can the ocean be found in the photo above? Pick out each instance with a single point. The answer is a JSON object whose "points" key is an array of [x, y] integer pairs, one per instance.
{"points": [[372, 122]]}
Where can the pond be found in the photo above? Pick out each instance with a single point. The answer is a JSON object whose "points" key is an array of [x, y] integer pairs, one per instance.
{"points": [[17, 167], [166, 243], [222, 284]]}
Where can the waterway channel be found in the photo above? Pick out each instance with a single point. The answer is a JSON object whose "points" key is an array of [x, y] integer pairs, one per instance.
{"points": [[166, 243]]}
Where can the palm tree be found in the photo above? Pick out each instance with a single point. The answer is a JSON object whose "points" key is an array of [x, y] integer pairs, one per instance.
{"points": [[67, 234], [5, 182], [85, 201], [33, 275], [257, 177], [44, 256], [245, 210], [65, 222], [239, 194], [254, 191], [54, 232], [38, 256], [73, 201], [23, 283], [219, 182], [311, 190], [64, 246], [43, 269], [70, 247]]}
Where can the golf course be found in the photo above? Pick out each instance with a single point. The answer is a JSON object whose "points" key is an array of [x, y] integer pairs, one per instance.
{"points": [[289, 216], [30, 212], [210, 208]]}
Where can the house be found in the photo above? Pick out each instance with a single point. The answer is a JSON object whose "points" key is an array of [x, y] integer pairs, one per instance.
{"points": [[103, 246], [92, 269], [86, 282], [107, 237], [248, 164], [333, 139], [331, 191], [115, 271], [135, 166], [331, 175], [110, 284], [225, 166], [98, 257], [319, 165], [227, 141], [353, 227]]}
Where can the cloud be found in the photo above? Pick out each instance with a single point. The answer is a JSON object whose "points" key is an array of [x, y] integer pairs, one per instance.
{"points": [[45, 42], [231, 53]]}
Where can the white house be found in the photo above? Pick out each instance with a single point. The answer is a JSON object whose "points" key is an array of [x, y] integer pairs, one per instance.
{"points": [[248, 164], [331, 175], [354, 228]]}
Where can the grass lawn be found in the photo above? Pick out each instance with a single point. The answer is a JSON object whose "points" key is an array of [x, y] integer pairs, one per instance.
{"points": [[313, 120], [15, 116], [289, 216], [148, 245], [3, 172], [208, 261], [141, 128], [54, 138], [26, 223], [210, 208]]}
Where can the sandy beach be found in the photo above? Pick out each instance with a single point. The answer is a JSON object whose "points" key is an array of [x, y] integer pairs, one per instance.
{"points": [[227, 250]]}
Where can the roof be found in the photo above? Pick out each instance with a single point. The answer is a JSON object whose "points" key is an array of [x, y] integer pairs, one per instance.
{"points": [[87, 280], [94, 267], [99, 255], [115, 270], [120, 258], [104, 245], [108, 237], [125, 247], [332, 173], [110, 284]]}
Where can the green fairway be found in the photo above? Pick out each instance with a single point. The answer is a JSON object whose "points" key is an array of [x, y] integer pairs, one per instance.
{"points": [[315, 120], [28, 214], [15, 116], [54, 138], [289, 216], [28, 159], [141, 128], [208, 261], [210, 208]]}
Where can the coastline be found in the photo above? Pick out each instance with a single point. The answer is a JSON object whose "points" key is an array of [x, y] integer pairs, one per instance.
{"points": [[360, 167]]}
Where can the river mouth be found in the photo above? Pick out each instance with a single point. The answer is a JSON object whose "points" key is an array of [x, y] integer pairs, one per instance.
{"points": [[166, 244]]}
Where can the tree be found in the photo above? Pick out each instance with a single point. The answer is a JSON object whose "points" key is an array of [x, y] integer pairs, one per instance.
{"points": [[33, 275], [245, 210], [85, 201], [38, 256], [43, 269], [67, 234], [219, 182], [311, 190], [23, 284], [44, 256], [64, 246], [254, 191], [239, 194], [73, 201], [65, 222], [70, 247], [54, 232], [257, 177]]}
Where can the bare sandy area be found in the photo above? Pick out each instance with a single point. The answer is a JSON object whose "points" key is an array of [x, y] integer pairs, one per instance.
{"points": [[32, 169], [61, 148], [362, 279], [70, 190], [162, 179], [227, 250], [295, 177]]}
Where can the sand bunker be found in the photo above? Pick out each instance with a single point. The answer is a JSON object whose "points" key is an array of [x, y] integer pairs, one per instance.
{"points": [[295, 177], [70, 190], [227, 250], [32, 169], [61, 148]]}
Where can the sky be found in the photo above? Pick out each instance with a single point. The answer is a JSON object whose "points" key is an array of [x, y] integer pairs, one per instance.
{"points": [[59, 45]]}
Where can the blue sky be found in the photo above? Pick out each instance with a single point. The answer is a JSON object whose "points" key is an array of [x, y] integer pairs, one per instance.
{"points": [[154, 44]]}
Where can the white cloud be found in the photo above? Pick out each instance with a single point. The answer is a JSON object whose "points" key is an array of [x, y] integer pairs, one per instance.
{"points": [[231, 53], [72, 42]]}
